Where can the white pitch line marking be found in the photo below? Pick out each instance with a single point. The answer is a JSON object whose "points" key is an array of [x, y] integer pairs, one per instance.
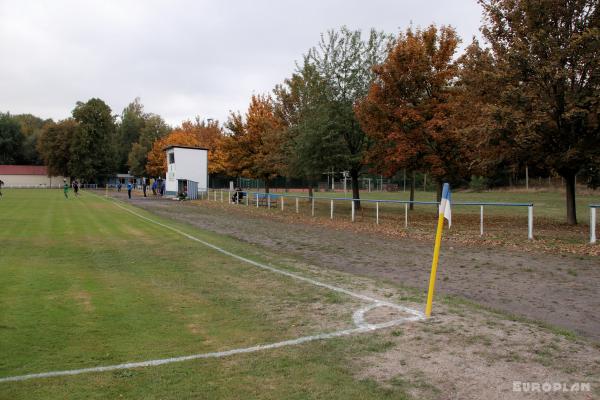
{"points": [[273, 269], [358, 319]]}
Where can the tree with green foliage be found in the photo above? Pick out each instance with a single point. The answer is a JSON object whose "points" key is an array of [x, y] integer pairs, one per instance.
{"points": [[298, 104], [154, 128], [129, 129], [345, 63], [55, 146], [31, 128], [547, 77], [92, 147], [11, 140]]}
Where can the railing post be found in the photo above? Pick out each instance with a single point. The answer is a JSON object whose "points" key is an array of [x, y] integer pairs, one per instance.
{"points": [[313, 206], [282, 199], [229, 197], [353, 210], [221, 195], [530, 222], [247, 199], [405, 215], [215, 194], [331, 210], [481, 221], [377, 212], [592, 225], [296, 205], [256, 194], [269, 201]]}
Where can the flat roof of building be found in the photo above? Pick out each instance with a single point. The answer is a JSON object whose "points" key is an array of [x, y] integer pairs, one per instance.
{"points": [[185, 147], [23, 170]]}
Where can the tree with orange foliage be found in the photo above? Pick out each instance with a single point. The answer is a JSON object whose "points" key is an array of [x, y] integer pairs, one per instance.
{"points": [[254, 147], [408, 111], [157, 162], [194, 134]]}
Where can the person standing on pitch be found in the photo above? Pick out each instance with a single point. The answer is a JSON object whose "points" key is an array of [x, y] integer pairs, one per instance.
{"points": [[144, 185], [66, 189], [129, 187], [76, 188]]}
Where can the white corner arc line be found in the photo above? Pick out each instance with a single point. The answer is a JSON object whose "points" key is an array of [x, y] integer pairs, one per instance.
{"points": [[358, 319]]}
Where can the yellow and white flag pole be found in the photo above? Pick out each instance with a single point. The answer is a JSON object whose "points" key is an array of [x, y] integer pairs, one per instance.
{"points": [[444, 212]]}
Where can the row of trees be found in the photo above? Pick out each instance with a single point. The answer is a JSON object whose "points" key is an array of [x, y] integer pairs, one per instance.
{"points": [[91, 145], [530, 96]]}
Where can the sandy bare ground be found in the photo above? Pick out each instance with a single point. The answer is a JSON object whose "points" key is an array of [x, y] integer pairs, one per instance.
{"points": [[561, 290]]}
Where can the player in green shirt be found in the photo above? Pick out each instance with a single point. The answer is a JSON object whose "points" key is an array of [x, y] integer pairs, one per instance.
{"points": [[66, 189]]}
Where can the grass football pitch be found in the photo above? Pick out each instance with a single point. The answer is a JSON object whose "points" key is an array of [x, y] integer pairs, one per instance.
{"points": [[86, 283]]}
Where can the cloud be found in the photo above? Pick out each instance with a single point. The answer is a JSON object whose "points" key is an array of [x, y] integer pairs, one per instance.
{"points": [[182, 58]]}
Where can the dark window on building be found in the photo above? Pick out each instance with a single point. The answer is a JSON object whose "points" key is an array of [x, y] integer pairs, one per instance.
{"points": [[171, 158]]}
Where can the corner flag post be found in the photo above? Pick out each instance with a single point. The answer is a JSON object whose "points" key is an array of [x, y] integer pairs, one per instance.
{"points": [[444, 212]]}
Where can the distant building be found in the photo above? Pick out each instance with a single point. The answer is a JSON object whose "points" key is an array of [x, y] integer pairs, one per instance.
{"points": [[187, 170], [29, 176], [123, 179]]}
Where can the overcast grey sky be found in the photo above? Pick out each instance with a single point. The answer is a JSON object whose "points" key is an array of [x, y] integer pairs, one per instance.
{"points": [[182, 58]]}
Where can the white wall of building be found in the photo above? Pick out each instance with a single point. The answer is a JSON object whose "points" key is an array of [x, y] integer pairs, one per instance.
{"points": [[190, 164], [32, 181]]}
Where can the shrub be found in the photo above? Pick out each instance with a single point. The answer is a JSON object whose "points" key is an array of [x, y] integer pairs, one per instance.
{"points": [[478, 183]]}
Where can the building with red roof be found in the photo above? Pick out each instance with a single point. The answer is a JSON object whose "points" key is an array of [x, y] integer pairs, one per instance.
{"points": [[29, 176]]}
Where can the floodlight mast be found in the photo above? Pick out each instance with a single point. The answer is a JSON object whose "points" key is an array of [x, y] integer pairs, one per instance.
{"points": [[332, 180], [345, 175]]}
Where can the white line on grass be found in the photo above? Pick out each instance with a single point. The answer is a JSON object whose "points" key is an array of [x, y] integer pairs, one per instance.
{"points": [[269, 268], [358, 318]]}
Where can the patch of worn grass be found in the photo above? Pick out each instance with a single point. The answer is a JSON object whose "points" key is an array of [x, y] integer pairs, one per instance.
{"points": [[416, 381], [456, 304], [313, 371]]}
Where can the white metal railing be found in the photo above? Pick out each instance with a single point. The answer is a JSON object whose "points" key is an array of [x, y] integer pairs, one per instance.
{"points": [[269, 198]]}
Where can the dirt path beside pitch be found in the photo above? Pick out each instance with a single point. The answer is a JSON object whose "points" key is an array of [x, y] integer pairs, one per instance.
{"points": [[562, 290]]}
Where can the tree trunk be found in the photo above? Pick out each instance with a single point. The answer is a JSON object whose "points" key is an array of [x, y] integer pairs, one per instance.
{"points": [[438, 194], [355, 188], [310, 191], [412, 191], [570, 191]]}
